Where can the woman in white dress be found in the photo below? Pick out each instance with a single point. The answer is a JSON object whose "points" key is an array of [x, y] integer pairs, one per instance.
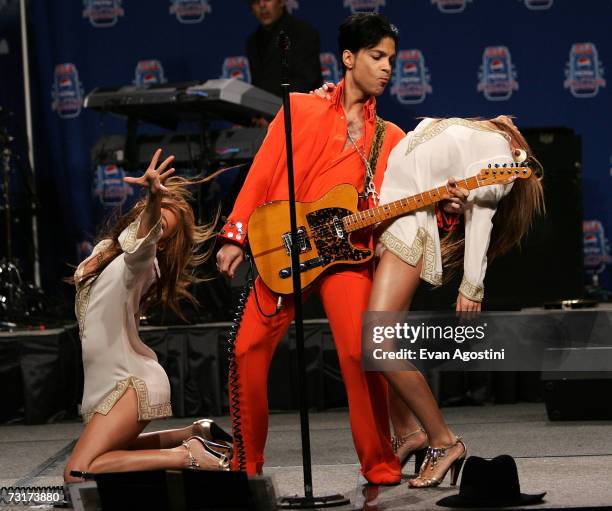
{"points": [[149, 255], [436, 150]]}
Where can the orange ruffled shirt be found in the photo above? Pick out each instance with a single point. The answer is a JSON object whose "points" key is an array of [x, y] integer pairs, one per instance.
{"points": [[320, 159]]}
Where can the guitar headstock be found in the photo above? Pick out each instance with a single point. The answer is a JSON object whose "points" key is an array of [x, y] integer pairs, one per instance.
{"points": [[504, 174]]}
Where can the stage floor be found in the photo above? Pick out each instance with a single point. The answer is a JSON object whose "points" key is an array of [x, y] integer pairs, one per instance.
{"points": [[571, 461]]}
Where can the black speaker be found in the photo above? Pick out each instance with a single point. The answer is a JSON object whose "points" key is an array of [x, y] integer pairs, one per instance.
{"points": [[577, 395], [548, 265]]}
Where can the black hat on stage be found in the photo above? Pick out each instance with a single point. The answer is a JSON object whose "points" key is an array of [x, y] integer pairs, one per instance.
{"points": [[490, 483]]}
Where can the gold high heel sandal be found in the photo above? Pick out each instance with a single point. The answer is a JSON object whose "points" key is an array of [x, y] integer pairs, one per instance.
{"points": [[432, 457], [418, 453], [219, 461], [210, 430]]}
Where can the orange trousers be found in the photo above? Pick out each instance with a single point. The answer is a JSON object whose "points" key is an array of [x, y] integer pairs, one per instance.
{"points": [[345, 297]]}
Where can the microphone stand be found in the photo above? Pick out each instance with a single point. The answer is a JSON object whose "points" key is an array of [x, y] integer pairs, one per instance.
{"points": [[308, 500]]}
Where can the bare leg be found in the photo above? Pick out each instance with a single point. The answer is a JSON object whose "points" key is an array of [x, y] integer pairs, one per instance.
{"points": [[405, 427], [169, 438], [402, 418], [103, 444], [166, 439], [395, 284]]}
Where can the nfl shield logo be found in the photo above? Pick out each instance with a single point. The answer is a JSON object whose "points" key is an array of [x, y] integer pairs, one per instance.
{"points": [[364, 5], [66, 91], [595, 246], [538, 5], [497, 74], [102, 13], [583, 71], [149, 72], [411, 80], [236, 67], [451, 6], [329, 68], [190, 11]]}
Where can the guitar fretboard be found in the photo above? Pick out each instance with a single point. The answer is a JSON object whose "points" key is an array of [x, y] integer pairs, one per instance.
{"points": [[406, 205]]}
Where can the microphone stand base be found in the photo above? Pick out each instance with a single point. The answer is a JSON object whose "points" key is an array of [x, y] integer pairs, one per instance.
{"points": [[312, 502]]}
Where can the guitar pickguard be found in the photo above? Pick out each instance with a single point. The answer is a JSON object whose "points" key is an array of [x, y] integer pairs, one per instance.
{"points": [[331, 240]]}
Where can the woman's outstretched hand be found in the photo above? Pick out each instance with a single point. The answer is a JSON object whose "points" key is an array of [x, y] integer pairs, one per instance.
{"points": [[154, 177]]}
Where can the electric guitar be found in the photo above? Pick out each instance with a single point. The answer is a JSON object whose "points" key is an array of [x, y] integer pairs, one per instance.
{"points": [[325, 226]]}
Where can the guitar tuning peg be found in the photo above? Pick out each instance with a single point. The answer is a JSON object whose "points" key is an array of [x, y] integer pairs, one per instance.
{"points": [[489, 165], [496, 166], [505, 165]]}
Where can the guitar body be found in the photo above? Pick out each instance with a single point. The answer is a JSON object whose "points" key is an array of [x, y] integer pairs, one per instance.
{"points": [[322, 239], [325, 227]]}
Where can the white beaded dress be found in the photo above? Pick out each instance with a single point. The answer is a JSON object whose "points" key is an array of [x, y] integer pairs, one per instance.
{"points": [[108, 311], [426, 158]]}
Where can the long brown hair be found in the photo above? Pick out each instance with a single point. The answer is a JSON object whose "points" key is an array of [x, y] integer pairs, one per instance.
{"points": [[178, 256], [515, 212]]}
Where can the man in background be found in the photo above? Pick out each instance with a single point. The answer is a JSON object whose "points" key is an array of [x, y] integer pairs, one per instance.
{"points": [[263, 53]]}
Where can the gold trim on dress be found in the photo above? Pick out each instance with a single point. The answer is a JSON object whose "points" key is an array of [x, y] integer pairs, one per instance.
{"points": [[129, 240], [423, 245], [146, 411], [438, 126], [83, 291], [471, 291]]}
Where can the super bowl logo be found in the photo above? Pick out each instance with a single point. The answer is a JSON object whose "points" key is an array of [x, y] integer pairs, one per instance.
{"points": [[411, 80], [66, 91], [584, 72], [596, 247], [364, 5], [291, 5], [190, 11], [329, 67], [451, 6], [497, 74], [109, 187], [149, 72], [102, 13], [538, 5], [236, 67]]}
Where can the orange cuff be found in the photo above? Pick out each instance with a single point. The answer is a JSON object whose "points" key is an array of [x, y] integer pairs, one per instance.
{"points": [[447, 221], [234, 231]]}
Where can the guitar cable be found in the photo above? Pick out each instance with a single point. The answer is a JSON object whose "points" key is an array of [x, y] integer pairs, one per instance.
{"points": [[233, 375]]}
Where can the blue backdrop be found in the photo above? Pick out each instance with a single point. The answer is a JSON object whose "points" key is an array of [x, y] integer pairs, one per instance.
{"points": [[540, 60]]}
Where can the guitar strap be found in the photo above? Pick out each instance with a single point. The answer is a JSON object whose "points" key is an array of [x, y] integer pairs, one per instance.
{"points": [[379, 138]]}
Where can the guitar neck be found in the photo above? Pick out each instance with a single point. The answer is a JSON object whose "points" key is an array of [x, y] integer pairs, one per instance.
{"points": [[400, 207]]}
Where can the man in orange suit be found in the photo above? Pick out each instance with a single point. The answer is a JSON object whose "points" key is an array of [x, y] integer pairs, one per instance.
{"points": [[331, 142]]}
